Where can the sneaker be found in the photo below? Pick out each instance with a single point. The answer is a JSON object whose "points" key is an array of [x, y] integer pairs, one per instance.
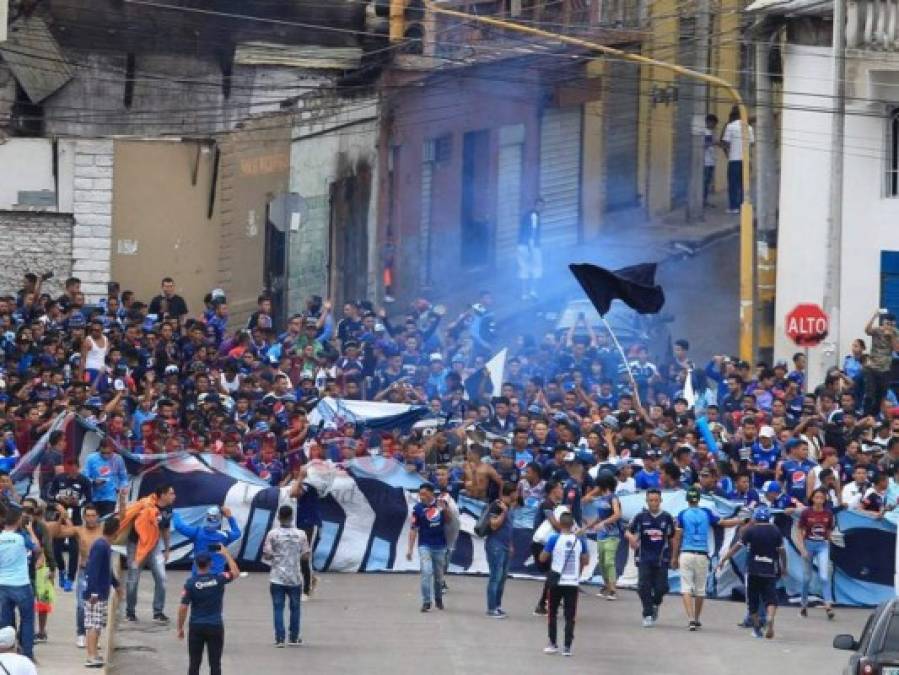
{"points": [[131, 616], [540, 610], [425, 607], [96, 662], [160, 618], [692, 626], [40, 637], [296, 642], [496, 614], [757, 633], [648, 622], [566, 651], [803, 612], [439, 603], [769, 632], [830, 613], [698, 624], [611, 596], [67, 586], [305, 597], [500, 610], [550, 649], [279, 644], [602, 593], [80, 641]]}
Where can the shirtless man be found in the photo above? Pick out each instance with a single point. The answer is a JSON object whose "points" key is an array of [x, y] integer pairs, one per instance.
{"points": [[478, 475], [86, 535]]}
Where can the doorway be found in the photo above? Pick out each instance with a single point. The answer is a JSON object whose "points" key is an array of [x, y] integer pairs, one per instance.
{"points": [[476, 221]]}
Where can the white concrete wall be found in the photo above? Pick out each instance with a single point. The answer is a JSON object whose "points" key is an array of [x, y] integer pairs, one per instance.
{"points": [[804, 189], [870, 220], [25, 164]]}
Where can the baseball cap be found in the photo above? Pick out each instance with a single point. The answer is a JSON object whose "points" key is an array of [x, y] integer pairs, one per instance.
{"points": [[560, 510], [761, 514], [7, 637], [771, 486], [213, 515], [436, 356], [767, 432], [692, 494]]}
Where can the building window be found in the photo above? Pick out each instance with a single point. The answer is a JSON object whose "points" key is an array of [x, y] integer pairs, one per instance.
{"points": [[889, 280], [893, 156]]}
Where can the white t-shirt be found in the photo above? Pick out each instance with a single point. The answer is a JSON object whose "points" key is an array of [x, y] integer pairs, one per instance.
{"points": [[16, 664], [565, 551], [733, 135], [852, 495]]}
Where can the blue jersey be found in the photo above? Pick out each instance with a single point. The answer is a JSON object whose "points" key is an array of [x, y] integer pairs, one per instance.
{"points": [[647, 479], [696, 522], [205, 594], [654, 532], [766, 461], [749, 498], [795, 476], [208, 540], [429, 521]]}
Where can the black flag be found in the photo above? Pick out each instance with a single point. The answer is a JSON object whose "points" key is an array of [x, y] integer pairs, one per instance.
{"points": [[635, 286]]}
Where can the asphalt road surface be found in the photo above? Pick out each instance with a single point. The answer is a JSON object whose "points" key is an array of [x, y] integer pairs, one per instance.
{"points": [[371, 624]]}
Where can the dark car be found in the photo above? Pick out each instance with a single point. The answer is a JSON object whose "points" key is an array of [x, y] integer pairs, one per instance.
{"points": [[877, 650]]}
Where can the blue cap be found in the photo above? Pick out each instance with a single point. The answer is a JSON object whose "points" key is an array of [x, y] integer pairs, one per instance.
{"points": [[793, 443], [771, 486], [761, 514]]}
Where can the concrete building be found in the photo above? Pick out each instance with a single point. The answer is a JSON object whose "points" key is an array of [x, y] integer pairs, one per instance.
{"points": [[853, 248]]}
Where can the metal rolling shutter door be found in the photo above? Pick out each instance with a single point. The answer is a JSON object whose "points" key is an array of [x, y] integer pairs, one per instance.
{"points": [[560, 175], [508, 211]]}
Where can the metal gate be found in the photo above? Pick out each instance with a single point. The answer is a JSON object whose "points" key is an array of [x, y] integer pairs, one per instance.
{"points": [[508, 208], [560, 175], [621, 109]]}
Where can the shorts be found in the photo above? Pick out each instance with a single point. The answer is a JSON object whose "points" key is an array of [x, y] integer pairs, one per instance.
{"points": [[694, 571], [95, 615], [760, 591], [530, 262]]}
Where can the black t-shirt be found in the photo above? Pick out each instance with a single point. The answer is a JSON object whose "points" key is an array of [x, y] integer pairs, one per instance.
{"points": [[175, 306], [764, 541], [205, 593], [77, 486]]}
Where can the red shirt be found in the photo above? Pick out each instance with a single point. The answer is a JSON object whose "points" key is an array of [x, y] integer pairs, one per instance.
{"points": [[816, 524]]}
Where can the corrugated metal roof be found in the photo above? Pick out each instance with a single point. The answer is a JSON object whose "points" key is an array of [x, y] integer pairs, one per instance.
{"points": [[297, 56], [35, 59], [792, 7]]}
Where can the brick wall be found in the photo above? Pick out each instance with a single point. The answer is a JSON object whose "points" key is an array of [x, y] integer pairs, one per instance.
{"points": [[92, 206], [35, 241]]}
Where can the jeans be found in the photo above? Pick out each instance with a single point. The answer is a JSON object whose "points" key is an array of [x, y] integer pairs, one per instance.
{"points": [[280, 593], [558, 594], [432, 566], [652, 584], [156, 562], [734, 185], [20, 598], [498, 560], [80, 588], [60, 548], [819, 555], [708, 176], [876, 383], [213, 639]]}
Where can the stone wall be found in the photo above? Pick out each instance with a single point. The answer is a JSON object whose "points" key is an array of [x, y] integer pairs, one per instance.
{"points": [[92, 206], [35, 241]]}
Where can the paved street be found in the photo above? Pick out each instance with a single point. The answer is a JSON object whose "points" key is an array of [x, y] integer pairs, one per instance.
{"points": [[371, 624]]}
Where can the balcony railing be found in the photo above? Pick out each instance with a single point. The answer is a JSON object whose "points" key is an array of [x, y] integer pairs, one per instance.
{"points": [[871, 24]]}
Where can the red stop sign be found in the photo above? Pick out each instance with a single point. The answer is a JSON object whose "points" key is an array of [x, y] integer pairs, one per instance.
{"points": [[807, 325]]}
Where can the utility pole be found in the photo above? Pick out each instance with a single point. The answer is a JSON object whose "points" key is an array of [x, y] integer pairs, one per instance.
{"points": [[695, 201], [835, 221]]}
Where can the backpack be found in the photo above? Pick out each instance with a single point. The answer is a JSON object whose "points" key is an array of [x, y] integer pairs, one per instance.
{"points": [[482, 527]]}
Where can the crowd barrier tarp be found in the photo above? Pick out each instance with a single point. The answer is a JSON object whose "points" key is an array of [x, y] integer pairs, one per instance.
{"points": [[332, 413]]}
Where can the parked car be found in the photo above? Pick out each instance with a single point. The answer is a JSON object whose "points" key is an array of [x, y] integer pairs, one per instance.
{"points": [[876, 652]]}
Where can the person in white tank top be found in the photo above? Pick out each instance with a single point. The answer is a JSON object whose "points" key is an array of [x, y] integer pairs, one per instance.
{"points": [[93, 352]]}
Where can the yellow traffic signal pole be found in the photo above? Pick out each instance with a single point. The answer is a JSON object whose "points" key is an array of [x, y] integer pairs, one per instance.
{"points": [[747, 235]]}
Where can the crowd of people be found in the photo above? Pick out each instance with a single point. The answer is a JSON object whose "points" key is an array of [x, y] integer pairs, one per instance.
{"points": [[572, 422]]}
